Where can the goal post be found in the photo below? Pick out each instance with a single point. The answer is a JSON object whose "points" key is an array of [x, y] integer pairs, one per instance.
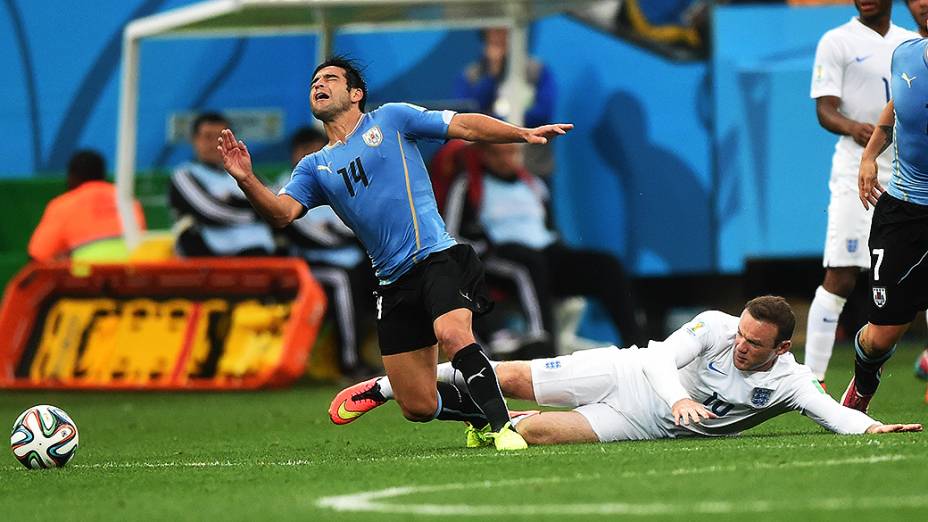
{"points": [[239, 18]]}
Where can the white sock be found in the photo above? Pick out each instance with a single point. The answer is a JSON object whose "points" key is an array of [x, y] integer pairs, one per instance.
{"points": [[820, 332], [519, 418], [385, 389], [446, 373]]}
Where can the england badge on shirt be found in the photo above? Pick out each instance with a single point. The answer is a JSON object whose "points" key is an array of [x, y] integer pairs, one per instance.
{"points": [[760, 397], [373, 137]]}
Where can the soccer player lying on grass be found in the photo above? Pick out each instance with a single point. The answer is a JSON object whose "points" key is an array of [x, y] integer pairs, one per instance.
{"points": [[717, 375]]}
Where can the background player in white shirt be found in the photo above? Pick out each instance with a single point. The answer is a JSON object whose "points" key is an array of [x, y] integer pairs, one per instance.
{"points": [[717, 375], [850, 85]]}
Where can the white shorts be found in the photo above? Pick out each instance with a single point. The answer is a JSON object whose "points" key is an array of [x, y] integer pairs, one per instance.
{"points": [[607, 387], [848, 230]]}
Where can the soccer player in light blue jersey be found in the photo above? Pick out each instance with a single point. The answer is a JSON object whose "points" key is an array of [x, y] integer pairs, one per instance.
{"points": [[899, 231], [372, 175]]}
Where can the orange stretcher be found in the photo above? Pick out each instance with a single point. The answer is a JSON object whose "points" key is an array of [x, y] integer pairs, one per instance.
{"points": [[213, 324]]}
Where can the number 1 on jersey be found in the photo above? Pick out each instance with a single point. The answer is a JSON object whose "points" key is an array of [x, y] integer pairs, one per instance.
{"points": [[354, 173]]}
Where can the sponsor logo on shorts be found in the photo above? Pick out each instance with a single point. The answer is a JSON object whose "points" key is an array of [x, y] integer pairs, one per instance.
{"points": [[552, 365], [760, 397], [879, 296], [852, 245]]}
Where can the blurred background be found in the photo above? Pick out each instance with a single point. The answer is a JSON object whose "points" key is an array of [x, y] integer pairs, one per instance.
{"points": [[696, 160]]}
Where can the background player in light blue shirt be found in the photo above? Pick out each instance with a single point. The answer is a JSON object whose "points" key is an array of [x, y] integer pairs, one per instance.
{"points": [[899, 230], [372, 175]]}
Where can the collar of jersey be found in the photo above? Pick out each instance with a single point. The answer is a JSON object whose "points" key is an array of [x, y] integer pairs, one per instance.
{"points": [[864, 29], [349, 135]]}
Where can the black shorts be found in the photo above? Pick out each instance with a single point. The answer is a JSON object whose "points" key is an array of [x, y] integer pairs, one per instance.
{"points": [[444, 281], [898, 261]]}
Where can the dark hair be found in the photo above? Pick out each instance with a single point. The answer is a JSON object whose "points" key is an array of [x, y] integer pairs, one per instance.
{"points": [[85, 165], [775, 310], [307, 135], [206, 117], [353, 74]]}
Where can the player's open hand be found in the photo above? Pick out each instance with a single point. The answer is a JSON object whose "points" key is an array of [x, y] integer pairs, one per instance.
{"points": [[868, 184], [686, 410], [235, 157], [542, 134], [893, 428]]}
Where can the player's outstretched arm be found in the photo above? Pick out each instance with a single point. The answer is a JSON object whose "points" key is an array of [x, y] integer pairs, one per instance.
{"points": [[479, 127], [279, 211], [868, 183], [893, 428]]}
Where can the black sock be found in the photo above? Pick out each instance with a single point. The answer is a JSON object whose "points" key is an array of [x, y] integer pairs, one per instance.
{"points": [[456, 405], [482, 384], [867, 368]]}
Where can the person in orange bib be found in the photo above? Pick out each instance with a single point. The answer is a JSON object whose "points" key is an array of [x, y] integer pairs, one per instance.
{"points": [[83, 223]]}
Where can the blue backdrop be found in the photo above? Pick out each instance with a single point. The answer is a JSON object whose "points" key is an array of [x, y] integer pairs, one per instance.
{"points": [[773, 158], [676, 167]]}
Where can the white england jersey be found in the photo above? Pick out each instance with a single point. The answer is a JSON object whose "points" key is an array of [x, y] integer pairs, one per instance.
{"points": [[852, 62], [703, 349]]}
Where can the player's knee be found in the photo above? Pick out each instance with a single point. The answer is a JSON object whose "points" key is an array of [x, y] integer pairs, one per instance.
{"points": [[535, 431], [515, 379], [418, 410], [877, 340], [452, 336]]}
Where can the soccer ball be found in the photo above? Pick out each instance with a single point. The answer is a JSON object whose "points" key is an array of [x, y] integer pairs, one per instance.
{"points": [[44, 437], [921, 366]]}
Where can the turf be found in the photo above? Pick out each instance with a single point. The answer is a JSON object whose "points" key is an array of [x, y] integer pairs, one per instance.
{"points": [[274, 455]]}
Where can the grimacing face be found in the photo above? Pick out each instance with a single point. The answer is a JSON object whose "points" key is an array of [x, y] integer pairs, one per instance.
{"points": [[329, 95], [755, 348], [205, 141]]}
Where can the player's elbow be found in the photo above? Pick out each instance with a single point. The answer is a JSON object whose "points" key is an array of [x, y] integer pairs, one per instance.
{"points": [[280, 221]]}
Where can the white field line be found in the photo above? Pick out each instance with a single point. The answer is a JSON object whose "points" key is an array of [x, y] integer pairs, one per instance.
{"points": [[580, 450], [372, 501]]}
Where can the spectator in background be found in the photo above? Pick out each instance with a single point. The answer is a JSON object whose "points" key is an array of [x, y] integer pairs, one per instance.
{"points": [[337, 262], [500, 206], [481, 85], [213, 217], [83, 223]]}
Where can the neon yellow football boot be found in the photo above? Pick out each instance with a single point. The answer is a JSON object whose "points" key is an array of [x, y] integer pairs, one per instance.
{"points": [[476, 437], [507, 439]]}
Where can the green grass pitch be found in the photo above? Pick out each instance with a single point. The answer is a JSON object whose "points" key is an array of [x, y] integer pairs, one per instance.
{"points": [[275, 456]]}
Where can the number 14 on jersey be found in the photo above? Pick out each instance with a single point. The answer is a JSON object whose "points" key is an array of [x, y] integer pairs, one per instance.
{"points": [[352, 174]]}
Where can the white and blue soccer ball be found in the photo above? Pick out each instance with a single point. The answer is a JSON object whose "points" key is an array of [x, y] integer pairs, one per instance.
{"points": [[44, 437]]}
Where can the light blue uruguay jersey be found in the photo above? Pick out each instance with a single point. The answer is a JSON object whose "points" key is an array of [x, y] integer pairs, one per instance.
{"points": [[910, 96], [378, 185]]}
